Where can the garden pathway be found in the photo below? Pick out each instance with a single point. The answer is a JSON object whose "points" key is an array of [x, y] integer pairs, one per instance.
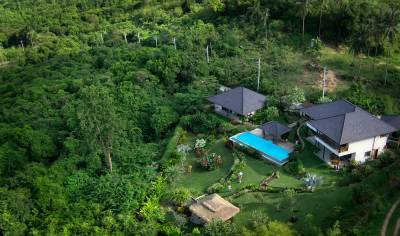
{"points": [[388, 217], [299, 136], [397, 229]]}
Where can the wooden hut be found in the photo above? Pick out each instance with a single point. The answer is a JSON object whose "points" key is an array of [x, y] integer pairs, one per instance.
{"points": [[211, 207]]}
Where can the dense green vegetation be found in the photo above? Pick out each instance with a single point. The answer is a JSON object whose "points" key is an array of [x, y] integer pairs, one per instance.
{"points": [[91, 92]]}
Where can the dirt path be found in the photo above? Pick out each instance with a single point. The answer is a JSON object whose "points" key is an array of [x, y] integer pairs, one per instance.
{"points": [[388, 217], [397, 229], [331, 82]]}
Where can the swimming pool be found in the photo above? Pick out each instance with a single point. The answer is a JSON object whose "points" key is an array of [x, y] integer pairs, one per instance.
{"points": [[267, 148]]}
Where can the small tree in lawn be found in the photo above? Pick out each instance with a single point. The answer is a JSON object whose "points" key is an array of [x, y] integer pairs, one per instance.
{"points": [[183, 149], [199, 147], [290, 196]]}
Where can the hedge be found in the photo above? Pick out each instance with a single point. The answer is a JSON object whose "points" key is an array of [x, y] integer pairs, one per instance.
{"points": [[172, 144]]}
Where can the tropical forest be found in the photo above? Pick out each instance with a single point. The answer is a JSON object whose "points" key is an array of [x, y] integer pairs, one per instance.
{"points": [[200, 117]]}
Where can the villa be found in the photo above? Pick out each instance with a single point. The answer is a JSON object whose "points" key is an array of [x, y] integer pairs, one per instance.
{"points": [[344, 132], [238, 102]]}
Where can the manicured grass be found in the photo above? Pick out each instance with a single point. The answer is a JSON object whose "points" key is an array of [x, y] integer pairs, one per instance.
{"points": [[257, 170], [314, 165], [200, 179], [320, 203]]}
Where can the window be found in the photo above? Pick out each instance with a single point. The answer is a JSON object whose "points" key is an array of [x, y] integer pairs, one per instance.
{"points": [[367, 154]]}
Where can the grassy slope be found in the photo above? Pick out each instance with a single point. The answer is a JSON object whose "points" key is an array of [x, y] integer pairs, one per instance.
{"points": [[371, 70], [319, 203]]}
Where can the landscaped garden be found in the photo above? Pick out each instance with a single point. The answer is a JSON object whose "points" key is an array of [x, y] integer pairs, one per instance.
{"points": [[305, 194], [273, 203]]}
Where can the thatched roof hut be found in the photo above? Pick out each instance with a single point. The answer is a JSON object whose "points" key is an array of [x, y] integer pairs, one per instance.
{"points": [[211, 207]]}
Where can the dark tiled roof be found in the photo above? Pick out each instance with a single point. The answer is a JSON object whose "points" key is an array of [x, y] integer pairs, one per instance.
{"points": [[393, 120], [240, 100], [330, 109], [275, 129], [352, 126]]}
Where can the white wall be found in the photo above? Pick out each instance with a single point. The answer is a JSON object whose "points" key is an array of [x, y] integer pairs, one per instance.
{"points": [[217, 107], [359, 148]]}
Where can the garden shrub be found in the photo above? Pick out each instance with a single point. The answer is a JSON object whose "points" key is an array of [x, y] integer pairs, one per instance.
{"points": [[387, 158], [220, 228], [363, 194], [196, 232], [226, 127], [269, 113], [215, 188], [178, 196], [355, 173], [228, 143], [250, 187], [211, 161], [296, 167], [171, 230]]}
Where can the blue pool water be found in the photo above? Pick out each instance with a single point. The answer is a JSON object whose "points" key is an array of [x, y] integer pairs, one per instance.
{"points": [[262, 145]]}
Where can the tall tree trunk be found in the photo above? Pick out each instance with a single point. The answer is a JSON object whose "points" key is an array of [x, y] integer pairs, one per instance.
{"points": [[387, 65], [109, 159], [375, 57], [320, 18], [304, 22]]}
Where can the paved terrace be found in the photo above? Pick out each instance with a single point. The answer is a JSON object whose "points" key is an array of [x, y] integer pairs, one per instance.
{"points": [[282, 143]]}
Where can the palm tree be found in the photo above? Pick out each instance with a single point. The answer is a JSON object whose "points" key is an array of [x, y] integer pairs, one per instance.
{"points": [[255, 11], [322, 7], [266, 17], [303, 10], [392, 28]]}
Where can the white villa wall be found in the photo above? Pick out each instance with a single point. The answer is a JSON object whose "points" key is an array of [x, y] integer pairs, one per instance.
{"points": [[218, 108], [359, 148]]}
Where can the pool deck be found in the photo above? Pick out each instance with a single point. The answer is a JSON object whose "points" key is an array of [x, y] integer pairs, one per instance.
{"points": [[283, 144]]}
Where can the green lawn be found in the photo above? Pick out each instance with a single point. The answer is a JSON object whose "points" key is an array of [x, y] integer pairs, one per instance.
{"points": [[255, 171], [200, 179], [320, 204]]}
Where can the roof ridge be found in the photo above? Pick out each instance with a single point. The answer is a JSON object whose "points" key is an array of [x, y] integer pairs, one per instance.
{"points": [[344, 99], [242, 99], [341, 133]]}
